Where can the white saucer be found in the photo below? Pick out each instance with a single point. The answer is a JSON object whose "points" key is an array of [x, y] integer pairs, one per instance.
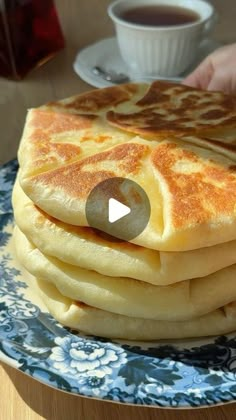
{"points": [[105, 53]]}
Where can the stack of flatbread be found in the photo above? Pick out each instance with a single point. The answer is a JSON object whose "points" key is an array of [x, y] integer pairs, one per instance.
{"points": [[178, 277]]}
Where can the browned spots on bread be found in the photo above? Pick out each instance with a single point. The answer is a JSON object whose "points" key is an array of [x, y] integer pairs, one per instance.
{"points": [[213, 114], [78, 179], [56, 123], [97, 139], [49, 153], [200, 189], [72, 180], [97, 100], [169, 109], [45, 125], [154, 94], [126, 156], [161, 90], [231, 120], [152, 122], [149, 123]]}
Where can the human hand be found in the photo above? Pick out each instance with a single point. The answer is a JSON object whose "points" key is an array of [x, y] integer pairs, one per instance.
{"points": [[216, 72]]}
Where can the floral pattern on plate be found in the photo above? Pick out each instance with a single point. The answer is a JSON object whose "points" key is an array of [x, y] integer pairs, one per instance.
{"points": [[193, 373]]}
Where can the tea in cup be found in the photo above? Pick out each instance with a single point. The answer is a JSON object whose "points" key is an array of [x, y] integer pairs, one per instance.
{"points": [[160, 37]]}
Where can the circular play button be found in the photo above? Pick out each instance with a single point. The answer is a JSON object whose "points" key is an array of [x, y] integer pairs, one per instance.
{"points": [[119, 207]]}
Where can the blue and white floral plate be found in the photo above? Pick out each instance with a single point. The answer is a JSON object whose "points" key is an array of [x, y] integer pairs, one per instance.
{"points": [[174, 375]]}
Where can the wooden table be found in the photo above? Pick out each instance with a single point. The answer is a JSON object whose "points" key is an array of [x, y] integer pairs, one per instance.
{"points": [[83, 21]]}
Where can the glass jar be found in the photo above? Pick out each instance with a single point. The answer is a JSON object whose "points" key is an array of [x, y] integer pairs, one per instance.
{"points": [[30, 34]]}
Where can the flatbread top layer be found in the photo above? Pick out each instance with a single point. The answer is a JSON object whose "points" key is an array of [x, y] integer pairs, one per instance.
{"points": [[168, 109], [177, 143]]}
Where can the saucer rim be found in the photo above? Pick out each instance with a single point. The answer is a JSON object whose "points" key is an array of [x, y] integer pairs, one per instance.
{"points": [[96, 81]]}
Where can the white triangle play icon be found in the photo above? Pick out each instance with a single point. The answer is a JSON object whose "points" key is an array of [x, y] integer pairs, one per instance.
{"points": [[117, 210]]}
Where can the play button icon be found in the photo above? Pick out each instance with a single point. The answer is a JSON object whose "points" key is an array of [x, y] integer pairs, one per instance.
{"points": [[118, 207], [117, 210]]}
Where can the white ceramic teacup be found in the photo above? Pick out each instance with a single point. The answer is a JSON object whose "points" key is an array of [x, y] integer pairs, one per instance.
{"points": [[161, 50]]}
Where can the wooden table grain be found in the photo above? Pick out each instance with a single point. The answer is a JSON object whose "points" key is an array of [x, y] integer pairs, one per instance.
{"points": [[83, 22]]}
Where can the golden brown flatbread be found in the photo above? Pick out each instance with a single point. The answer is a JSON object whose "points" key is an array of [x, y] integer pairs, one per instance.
{"points": [[179, 110], [88, 248], [178, 302], [70, 146], [97, 322]]}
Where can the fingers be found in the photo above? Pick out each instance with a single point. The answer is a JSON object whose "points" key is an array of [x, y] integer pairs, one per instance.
{"points": [[201, 76], [221, 82], [192, 80], [217, 72]]}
